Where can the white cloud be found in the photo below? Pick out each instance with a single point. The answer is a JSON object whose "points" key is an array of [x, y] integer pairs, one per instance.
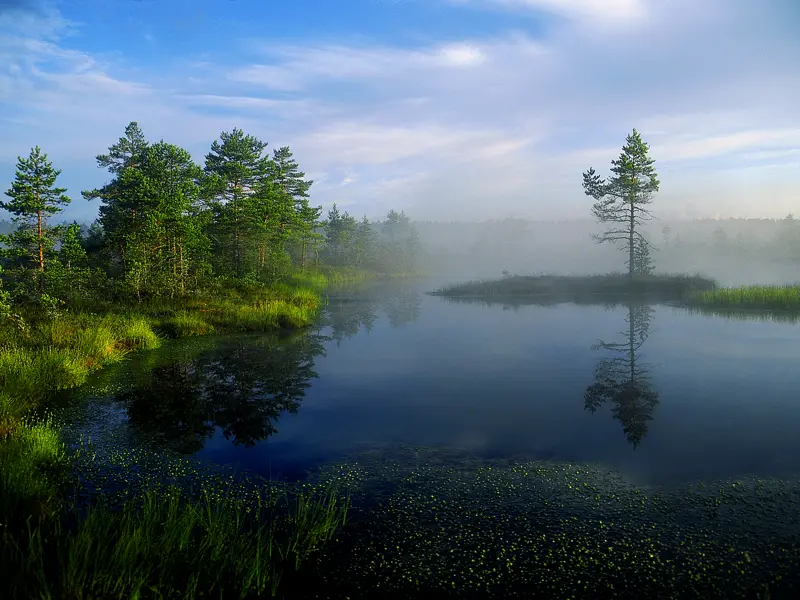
{"points": [[495, 126], [702, 147], [461, 55]]}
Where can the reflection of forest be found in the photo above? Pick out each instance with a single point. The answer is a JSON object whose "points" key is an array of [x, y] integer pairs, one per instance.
{"points": [[240, 387], [347, 315], [623, 380]]}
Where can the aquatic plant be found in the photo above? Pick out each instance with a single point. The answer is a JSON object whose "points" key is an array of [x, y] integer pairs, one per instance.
{"points": [[437, 522]]}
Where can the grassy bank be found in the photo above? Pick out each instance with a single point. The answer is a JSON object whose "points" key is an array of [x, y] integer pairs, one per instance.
{"points": [[162, 543], [784, 298], [566, 288], [217, 539], [60, 352]]}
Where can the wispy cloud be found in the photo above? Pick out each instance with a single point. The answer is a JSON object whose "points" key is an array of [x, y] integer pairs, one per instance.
{"points": [[478, 126]]}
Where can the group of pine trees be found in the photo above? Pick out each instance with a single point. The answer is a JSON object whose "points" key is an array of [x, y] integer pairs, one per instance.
{"points": [[168, 227]]}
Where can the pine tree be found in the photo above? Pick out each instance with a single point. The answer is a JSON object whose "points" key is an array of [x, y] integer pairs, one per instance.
{"points": [[234, 170], [121, 210], [364, 242], [34, 199], [285, 172], [623, 197]]}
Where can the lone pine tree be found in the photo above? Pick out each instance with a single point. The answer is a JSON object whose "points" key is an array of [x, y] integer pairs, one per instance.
{"points": [[623, 199], [34, 199]]}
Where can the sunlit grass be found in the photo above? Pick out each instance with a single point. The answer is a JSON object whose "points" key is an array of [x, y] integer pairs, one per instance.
{"points": [[31, 453], [186, 324], [31, 373], [764, 297]]}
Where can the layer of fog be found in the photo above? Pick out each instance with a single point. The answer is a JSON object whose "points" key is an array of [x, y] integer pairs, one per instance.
{"points": [[734, 252]]}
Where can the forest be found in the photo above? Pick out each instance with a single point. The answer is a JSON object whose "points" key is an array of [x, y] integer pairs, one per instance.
{"points": [[169, 228]]}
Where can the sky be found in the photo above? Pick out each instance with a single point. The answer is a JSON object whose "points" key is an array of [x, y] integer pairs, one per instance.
{"points": [[447, 109]]}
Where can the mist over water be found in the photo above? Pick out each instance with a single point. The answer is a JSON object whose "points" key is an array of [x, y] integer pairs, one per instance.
{"points": [[733, 252], [698, 398]]}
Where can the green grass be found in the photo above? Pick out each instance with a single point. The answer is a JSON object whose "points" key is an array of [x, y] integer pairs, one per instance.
{"points": [[168, 544], [32, 458], [319, 278], [784, 298], [563, 287]]}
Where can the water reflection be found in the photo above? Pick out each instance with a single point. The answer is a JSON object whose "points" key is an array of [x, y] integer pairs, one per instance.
{"points": [[623, 378], [346, 315], [242, 386], [757, 316], [242, 389]]}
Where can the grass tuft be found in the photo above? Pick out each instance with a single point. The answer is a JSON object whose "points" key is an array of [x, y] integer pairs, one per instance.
{"points": [[784, 298]]}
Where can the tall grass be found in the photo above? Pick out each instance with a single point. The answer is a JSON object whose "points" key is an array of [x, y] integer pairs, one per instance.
{"points": [[169, 544], [32, 460], [764, 297]]}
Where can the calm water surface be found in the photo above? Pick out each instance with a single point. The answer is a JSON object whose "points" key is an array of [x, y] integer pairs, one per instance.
{"points": [[663, 395]]}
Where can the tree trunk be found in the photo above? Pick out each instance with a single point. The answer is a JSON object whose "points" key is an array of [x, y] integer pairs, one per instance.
{"points": [[39, 235], [630, 244], [180, 250]]}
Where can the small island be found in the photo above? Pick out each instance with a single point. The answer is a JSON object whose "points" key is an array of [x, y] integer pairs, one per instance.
{"points": [[578, 288]]}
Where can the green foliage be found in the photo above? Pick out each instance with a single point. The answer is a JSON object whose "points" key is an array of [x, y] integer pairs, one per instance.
{"points": [[169, 543], [623, 199], [34, 199], [391, 247]]}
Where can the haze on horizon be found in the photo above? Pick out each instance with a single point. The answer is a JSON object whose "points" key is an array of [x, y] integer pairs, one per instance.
{"points": [[448, 109]]}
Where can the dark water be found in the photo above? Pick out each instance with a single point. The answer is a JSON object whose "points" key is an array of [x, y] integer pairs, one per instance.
{"points": [[663, 395]]}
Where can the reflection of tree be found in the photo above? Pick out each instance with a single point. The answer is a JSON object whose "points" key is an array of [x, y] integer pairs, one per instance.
{"points": [[346, 316], [402, 308], [242, 388], [623, 380]]}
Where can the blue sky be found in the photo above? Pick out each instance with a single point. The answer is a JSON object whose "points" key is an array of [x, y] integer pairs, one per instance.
{"points": [[449, 109]]}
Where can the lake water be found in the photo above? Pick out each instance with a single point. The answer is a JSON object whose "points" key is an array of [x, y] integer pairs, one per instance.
{"points": [[660, 394]]}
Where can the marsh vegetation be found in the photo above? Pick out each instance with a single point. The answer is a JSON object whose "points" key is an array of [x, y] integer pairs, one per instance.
{"points": [[563, 288]]}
